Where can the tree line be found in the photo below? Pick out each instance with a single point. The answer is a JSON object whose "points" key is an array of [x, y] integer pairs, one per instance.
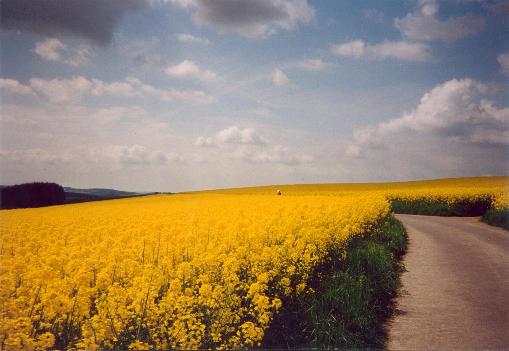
{"points": [[37, 194]]}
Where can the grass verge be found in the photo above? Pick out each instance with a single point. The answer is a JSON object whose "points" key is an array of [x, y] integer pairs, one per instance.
{"points": [[353, 294], [499, 218], [463, 208]]}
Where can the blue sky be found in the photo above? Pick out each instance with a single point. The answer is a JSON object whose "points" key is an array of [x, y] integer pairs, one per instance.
{"points": [[171, 95]]}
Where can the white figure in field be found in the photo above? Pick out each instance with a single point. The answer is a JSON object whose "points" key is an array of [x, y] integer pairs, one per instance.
{"points": [[279, 192]]}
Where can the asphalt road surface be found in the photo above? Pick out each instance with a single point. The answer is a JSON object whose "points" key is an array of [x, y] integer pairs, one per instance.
{"points": [[455, 293]]}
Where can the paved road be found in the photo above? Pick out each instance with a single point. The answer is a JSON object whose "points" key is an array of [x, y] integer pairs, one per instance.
{"points": [[455, 293]]}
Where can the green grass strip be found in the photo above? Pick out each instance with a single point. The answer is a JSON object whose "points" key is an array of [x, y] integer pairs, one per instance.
{"points": [[353, 294], [499, 218], [431, 207]]}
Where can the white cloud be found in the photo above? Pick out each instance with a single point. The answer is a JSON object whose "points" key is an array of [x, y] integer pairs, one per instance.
{"points": [[93, 146], [62, 91], [189, 70], [15, 87], [399, 50], [428, 7], [279, 78], [129, 155], [189, 38], [195, 96], [423, 24], [503, 61], [248, 145], [138, 155], [233, 135], [277, 154], [49, 49], [52, 49], [251, 19], [355, 48], [313, 64], [454, 111], [34, 156], [128, 88]]}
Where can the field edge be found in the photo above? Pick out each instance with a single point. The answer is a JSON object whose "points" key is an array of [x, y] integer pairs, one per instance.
{"points": [[498, 218], [354, 291]]}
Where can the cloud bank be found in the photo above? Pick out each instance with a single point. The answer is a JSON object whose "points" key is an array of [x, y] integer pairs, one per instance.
{"points": [[94, 20], [62, 91], [52, 49], [252, 19], [248, 145], [455, 111], [187, 69], [233, 135], [423, 24], [399, 50]]}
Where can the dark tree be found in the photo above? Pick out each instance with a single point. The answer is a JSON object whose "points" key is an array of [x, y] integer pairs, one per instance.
{"points": [[31, 195]]}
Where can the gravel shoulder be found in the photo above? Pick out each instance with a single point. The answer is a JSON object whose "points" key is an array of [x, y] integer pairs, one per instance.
{"points": [[455, 292]]}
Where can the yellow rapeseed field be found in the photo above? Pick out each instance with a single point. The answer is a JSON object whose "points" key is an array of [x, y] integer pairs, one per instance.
{"points": [[179, 271], [206, 269]]}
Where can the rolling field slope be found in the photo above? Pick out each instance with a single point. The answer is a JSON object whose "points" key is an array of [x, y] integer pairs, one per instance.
{"points": [[199, 270]]}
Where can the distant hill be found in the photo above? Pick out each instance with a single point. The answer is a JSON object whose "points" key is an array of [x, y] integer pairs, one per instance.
{"points": [[100, 192], [73, 195]]}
